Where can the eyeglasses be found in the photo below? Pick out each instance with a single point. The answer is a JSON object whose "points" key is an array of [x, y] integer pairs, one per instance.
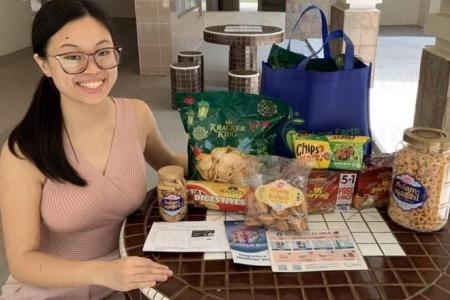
{"points": [[77, 62]]}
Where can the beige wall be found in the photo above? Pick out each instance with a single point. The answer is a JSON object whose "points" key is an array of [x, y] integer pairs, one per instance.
{"points": [[117, 8], [428, 7], [187, 32], [435, 5], [424, 10], [15, 25], [162, 34], [393, 12], [400, 12]]}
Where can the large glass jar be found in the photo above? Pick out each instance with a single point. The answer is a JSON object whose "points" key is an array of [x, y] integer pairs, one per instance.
{"points": [[172, 193], [420, 186]]}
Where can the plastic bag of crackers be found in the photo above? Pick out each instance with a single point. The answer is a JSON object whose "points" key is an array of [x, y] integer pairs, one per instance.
{"points": [[277, 193]]}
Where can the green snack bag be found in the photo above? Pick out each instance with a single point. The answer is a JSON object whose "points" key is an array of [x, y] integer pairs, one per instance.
{"points": [[225, 128], [282, 58], [331, 151]]}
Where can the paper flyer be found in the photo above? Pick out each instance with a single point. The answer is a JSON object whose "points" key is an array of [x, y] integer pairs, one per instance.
{"points": [[248, 245], [328, 250], [193, 236]]}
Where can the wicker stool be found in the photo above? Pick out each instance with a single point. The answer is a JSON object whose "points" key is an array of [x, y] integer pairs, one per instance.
{"points": [[246, 81], [196, 57], [184, 78]]}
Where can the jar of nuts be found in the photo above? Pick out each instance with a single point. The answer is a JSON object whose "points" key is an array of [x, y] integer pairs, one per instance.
{"points": [[421, 183], [172, 193]]}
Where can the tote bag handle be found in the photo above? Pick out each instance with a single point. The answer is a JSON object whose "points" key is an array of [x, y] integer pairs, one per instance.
{"points": [[349, 50], [324, 28]]}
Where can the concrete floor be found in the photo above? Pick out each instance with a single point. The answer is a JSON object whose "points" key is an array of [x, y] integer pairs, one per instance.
{"points": [[395, 88]]}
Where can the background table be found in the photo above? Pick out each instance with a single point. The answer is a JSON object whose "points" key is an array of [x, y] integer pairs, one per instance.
{"points": [[243, 43], [423, 274]]}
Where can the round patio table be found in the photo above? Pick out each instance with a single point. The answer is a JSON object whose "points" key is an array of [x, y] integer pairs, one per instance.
{"points": [[243, 41], [423, 274]]}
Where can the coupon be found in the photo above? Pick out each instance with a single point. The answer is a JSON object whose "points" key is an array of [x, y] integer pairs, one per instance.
{"points": [[328, 250]]}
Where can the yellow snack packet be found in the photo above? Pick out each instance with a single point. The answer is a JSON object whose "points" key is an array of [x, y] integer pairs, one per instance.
{"points": [[331, 151]]}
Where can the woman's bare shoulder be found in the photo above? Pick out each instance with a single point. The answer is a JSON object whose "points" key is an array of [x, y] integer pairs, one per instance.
{"points": [[140, 106], [15, 166], [144, 115]]}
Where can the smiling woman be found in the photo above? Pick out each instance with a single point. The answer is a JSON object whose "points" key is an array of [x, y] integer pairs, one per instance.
{"points": [[74, 167]]}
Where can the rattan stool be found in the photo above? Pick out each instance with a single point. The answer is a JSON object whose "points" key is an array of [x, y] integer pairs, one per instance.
{"points": [[196, 57], [184, 78], [246, 81]]}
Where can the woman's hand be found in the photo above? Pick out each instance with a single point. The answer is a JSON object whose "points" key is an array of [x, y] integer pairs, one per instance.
{"points": [[131, 273]]}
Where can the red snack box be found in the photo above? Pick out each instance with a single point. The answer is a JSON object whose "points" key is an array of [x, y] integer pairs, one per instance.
{"points": [[330, 191], [374, 182]]}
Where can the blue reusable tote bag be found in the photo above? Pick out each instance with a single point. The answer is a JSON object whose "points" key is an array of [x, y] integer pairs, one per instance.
{"points": [[285, 58], [333, 102]]}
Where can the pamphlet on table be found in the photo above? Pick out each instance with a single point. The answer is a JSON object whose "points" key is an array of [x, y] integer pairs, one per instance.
{"points": [[248, 245], [195, 236], [327, 250]]}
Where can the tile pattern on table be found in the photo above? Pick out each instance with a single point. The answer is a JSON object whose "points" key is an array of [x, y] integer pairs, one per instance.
{"points": [[213, 215], [368, 227], [370, 232], [269, 35], [423, 274]]}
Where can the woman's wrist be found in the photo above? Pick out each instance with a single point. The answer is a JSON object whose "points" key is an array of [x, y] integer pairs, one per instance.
{"points": [[96, 272]]}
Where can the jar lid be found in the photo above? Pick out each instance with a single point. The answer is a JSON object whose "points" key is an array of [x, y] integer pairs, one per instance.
{"points": [[431, 138], [171, 172]]}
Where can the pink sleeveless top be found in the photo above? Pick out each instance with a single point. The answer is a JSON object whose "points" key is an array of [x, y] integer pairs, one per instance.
{"points": [[84, 222]]}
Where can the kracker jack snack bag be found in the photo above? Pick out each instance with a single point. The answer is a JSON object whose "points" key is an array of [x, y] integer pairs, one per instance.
{"points": [[224, 128], [330, 151]]}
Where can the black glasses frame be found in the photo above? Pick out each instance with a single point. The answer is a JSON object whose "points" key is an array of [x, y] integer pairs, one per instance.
{"points": [[58, 57]]}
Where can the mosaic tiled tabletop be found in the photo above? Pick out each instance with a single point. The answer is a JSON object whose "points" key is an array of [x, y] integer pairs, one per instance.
{"points": [[243, 35], [402, 264]]}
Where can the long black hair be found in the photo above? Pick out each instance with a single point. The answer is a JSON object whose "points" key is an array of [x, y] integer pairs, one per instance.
{"points": [[39, 136]]}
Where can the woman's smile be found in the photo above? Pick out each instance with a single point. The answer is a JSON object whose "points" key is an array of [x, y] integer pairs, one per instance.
{"points": [[93, 86]]}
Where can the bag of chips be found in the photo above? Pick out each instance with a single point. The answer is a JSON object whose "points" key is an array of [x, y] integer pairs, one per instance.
{"points": [[225, 129]]}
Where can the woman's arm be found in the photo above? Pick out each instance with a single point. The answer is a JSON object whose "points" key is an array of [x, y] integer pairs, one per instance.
{"points": [[157, 153], [20, 196]]}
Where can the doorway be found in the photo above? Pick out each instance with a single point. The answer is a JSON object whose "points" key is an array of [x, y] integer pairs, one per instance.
{"points": [[228, 5], [248, 5]]}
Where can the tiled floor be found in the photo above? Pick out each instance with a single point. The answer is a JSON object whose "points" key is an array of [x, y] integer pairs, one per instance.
{"points": [[369, 230], [395, 87]]}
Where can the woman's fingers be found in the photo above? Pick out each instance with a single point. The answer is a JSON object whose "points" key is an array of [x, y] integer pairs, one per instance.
{"points": [[145, 262], [148, 277], [152, 271], [142, 285]]}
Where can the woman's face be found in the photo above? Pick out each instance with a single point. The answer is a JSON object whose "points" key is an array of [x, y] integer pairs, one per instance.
{"points": [[85, 35]]}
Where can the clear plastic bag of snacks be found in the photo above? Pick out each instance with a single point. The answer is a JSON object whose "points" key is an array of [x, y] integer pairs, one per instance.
{"points": [[421, 180], [277, 199]]}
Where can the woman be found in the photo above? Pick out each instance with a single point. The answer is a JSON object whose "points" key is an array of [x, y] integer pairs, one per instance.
{"points": [[74, 168]]}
